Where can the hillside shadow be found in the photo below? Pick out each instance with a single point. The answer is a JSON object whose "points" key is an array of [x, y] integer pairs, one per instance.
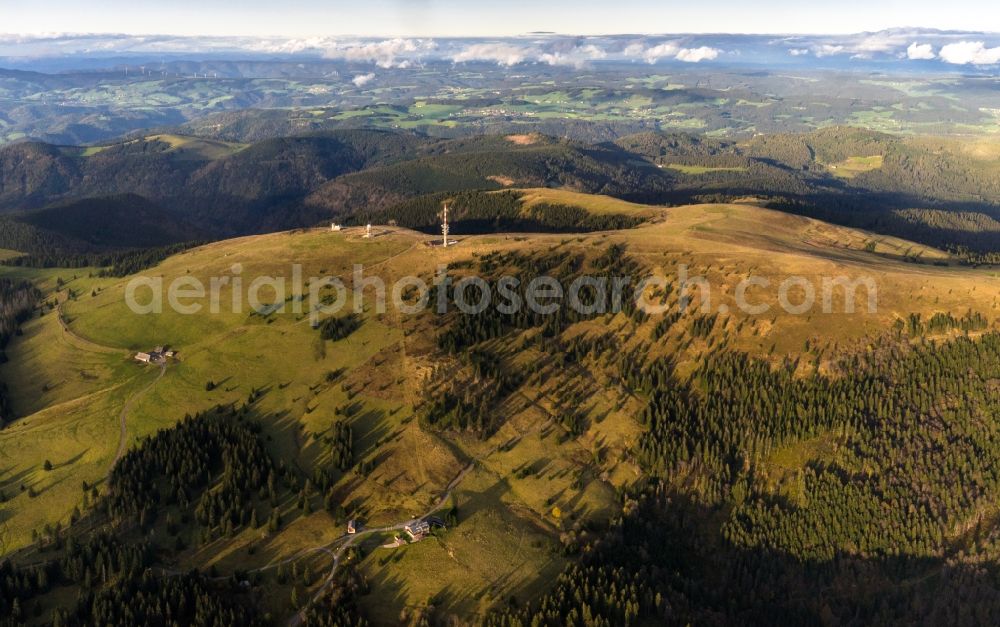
{"points": [[11, 485], [679, 549]]}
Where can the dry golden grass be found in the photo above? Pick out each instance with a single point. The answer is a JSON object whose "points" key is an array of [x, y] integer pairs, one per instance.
{"points": [[506, 181], [853, 166], [524, 139], [591, 202]]}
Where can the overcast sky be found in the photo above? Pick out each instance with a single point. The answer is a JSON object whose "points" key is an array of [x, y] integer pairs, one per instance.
{"points": [[301, 18]]}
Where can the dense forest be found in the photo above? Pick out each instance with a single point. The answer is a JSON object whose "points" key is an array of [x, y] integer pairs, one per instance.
{"points": [[811, 555], [116, 587], [466, 405], [213, 469], [491, 163], [114, 264], [175, 466], [491, 212], [17, 302]]}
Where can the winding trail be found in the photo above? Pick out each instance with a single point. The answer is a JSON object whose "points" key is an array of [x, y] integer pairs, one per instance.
{"points": [[86, 344], [81, 341], [299, 616], [308, 315], [123, 418]]}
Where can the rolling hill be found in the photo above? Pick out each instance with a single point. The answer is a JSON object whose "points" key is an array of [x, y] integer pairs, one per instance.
{"points": [[116, 232], [105, 223], [164, 167], [493, 163], [547, 443]]}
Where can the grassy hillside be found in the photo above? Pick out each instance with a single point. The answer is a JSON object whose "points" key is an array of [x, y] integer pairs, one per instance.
{"points": [[194, 147], [524, 430]]}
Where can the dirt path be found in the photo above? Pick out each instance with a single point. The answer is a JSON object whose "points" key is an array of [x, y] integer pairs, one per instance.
{"points": [[86, 344], [299, 616], [81, 341], [123, 418], [307, 316]]}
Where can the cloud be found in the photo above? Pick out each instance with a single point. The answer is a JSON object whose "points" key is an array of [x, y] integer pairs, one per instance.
{"points": [[363, 79], [695, 55], [502, 54], [509, 54], [974, 52], [385, 53], [891, 46], [577, 56], [671, 50], [862, 46], [654, 53], [390, 53], [883, 43], [562, 53], [920, 52], [828, 50], [291, 46]]}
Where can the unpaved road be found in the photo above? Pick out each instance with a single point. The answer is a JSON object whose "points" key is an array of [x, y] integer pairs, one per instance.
{"points": [[123, 414], [299, 616], [123, 417]]}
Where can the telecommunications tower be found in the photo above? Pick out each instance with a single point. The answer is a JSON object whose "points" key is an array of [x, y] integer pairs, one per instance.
{"points": [[444, 226]]}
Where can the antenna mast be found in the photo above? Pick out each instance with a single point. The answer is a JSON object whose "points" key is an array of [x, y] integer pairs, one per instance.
{"points": [[444, 226]]}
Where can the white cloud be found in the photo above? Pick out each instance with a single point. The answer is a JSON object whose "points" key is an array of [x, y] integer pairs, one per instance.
{"points": [[862, 46], [884, 42], [695, 55], [386, 54], [502, 54], [363, 79], [670, 50], [508, 54], [829, 50], [634, 50], [974, 52], [577, 56], [291, 46], [664, 50], [920, 52]]}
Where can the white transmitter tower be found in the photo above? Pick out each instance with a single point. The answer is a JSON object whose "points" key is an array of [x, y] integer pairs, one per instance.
{"points": [[444, 226]]}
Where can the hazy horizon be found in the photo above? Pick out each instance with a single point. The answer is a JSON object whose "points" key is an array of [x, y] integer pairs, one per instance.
{"points": [[912, 48]]}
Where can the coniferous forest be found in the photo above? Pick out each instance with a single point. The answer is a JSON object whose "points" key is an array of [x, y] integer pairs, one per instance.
{"points": [[17, 302]]}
